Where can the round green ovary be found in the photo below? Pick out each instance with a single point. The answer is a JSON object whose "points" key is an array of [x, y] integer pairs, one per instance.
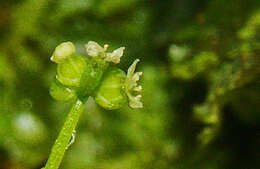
{"points": [[109, 94], [70, 70], [60, 92]]}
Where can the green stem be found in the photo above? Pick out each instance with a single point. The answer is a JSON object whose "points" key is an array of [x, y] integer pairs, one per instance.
{"points": [[65, 134]]}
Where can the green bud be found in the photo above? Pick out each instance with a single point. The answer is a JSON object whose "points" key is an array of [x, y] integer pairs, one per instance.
{"points": [[70, 70], [63, 51], [60, 92], [110, 94]]}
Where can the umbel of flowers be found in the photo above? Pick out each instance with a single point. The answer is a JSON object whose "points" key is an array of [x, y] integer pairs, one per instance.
{"points": [[80, 76]]}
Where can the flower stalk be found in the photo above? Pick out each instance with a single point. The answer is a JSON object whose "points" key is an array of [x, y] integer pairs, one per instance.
{"points": [[65, 134]]}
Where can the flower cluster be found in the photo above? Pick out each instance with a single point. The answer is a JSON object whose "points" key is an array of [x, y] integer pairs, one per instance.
{"points": [[80, 77]]}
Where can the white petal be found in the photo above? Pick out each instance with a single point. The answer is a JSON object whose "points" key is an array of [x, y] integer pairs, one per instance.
{"points": [[138, 88], [115, 55], [106, 47], [118, 52], [136, 104], [136, 76], [93, 48], [131, 69]]}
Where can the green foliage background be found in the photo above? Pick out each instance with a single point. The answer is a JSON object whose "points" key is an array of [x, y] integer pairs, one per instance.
{"points": [[201, 64]]}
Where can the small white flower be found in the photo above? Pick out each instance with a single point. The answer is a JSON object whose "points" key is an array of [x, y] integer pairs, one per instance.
{"points": [[94, 49], [115, 55], [131, 86], [63, 51]]}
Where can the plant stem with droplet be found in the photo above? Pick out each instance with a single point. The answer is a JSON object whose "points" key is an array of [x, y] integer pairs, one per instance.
{"points": [[65, 134]]}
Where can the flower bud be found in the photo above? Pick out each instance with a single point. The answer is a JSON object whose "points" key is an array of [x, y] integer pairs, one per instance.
{"points": [[70, 70], [62, 52], [60, 92], [110, 94]]}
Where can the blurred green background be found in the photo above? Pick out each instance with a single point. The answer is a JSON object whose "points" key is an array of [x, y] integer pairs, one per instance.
{"points": [[201, 83]]}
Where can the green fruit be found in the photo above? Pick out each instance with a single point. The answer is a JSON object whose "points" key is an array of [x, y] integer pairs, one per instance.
{"points": [[110, 94], [60, 92], [70, 70]]}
